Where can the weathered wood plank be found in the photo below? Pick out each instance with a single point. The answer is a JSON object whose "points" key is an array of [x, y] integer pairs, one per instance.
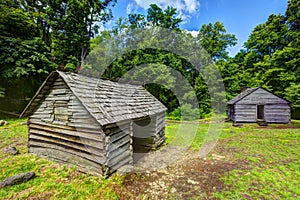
{"points": [[50, 147], [115, 145], [67, 144], [96, 135], [118, 151], [261, 96], [69, 159], [119, 134], [60, 91], [127, 160], [75, 139], [58, 98], [119, 158], [84, 126]]}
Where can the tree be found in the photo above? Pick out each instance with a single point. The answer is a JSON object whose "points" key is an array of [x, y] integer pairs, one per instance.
{"points": [[271, 57], [165, 19], [215, 40], [23, 51], [37, 36], [72, 25]]}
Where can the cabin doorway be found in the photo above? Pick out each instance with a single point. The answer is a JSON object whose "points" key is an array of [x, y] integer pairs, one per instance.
{"points": [[261, 112]]}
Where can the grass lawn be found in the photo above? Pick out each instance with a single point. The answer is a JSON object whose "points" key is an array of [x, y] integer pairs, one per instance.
{"points": [[268, 166]]}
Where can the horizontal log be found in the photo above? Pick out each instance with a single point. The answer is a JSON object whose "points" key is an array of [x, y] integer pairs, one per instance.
{"points": [[94, 134], [122, 141], [118, 151], [58, 98], [60, 121], [120, 123], [43, 112], [116, 136], [60, 91], [68, 159], [59, 81], [41, 115], [116, 128], [125, 161], [67, 144], [50, 147], [61, 86], [84, 126], [78, 109], [119, 158], [75, 139]]}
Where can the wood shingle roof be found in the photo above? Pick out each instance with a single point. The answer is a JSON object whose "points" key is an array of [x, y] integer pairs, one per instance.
{"points": [[249, 91], [108, 102]]}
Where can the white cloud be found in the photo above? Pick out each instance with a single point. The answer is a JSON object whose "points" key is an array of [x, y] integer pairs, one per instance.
{"points": [[187, 7], [193, 33]]}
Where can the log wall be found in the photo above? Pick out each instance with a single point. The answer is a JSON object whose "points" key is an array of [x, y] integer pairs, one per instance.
{"points": [[61, 129], [118, 146], [244, 113], [276, 109], [277, 113], [148, 133]]}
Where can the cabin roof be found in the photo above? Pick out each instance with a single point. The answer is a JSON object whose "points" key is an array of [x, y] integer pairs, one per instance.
{"points": [[108, 102], [247, 92]]}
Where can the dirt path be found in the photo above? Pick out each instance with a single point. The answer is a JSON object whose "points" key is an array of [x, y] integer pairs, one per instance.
{"points": [[189, 177]]}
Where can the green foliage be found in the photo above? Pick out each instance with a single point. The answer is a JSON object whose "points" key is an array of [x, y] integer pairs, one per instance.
{"points": [[165, 19], [293, 95], [271, 57], [37, 37], [2, 92], [125, 34], [185, 112], [215, 40]]}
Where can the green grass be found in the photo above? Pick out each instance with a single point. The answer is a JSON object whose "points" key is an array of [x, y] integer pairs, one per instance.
{"points": [[272, 154], [52, 180], [271, 168]]}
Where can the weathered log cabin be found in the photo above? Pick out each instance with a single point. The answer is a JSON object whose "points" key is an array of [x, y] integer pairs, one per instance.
{"points": [[92, 124], [259, 104]]}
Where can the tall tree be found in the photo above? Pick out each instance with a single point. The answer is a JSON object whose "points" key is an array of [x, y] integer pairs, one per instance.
{"points": [[271, 57], [215, 40], [36, 36], [73, 24], [163, 18]]}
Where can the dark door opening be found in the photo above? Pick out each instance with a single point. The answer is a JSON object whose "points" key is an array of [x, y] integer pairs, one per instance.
{"points": [[260, 111]]}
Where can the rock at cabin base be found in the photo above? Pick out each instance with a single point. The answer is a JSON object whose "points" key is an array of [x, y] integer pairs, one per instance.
{"points": [[17, 179], [11, 150]]}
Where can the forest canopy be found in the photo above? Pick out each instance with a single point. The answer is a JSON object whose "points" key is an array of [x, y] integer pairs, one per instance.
{"points": [[37, 37]]}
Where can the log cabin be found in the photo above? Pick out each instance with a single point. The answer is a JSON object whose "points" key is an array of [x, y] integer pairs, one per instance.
{"points": [[93, 124], [259, 105]]}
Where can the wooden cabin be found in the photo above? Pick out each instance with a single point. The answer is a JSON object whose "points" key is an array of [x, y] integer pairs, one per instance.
{"points": [[92, 124], [259, 104]]}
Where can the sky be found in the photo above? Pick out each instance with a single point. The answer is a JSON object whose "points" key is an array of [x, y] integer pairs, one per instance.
{"points": [[238, 16]]}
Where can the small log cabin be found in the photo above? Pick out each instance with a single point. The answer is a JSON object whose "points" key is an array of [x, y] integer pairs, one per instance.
{"points": [[259, 104], [92, 124]]}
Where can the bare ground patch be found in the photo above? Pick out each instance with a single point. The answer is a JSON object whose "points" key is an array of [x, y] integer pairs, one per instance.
{"points": [[189, 177]]}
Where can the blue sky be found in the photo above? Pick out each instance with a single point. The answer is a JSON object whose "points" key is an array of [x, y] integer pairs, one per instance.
{"points": [[238, 16]]}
